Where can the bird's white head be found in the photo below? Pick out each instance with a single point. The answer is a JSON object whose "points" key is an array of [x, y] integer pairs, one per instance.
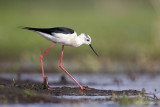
{"points": [[86, 39]]}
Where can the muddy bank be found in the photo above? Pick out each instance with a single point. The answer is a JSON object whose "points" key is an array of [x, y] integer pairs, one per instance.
{"points": [[27, 91], [76, 91]]}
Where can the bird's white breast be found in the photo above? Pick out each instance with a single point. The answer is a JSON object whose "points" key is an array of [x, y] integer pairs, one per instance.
{"points": [[60, 38]]}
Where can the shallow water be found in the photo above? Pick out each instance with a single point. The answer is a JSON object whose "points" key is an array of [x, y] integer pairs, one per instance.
{"points": [[89, 104], [98, 81]]}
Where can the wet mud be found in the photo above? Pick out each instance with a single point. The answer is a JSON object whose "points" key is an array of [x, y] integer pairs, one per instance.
{"points": [[27, 91]]}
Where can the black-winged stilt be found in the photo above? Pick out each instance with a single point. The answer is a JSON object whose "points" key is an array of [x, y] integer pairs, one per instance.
{"points": [[65, 37]]}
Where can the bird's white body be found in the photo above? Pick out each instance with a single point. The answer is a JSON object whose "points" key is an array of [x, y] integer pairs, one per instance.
{"points": [[66, 39]]}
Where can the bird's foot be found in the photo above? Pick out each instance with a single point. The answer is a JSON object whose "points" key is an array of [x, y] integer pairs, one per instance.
{"points": [[51, 89], [83, 88]]}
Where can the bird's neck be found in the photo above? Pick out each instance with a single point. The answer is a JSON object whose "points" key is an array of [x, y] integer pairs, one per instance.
{"points": [[78, 41]]}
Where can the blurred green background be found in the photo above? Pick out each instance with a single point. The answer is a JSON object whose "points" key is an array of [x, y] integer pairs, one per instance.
{"points": [[125, 34]]}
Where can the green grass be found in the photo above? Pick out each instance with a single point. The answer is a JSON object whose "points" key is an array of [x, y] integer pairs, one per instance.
{"points": [[118, 30]]}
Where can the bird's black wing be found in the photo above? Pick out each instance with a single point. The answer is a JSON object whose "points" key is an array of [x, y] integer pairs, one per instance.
{"points": [[51, 31]]}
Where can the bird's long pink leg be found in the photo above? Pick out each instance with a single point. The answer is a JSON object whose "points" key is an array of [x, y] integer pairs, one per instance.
{"points": [[60, 65], [42, 62]]}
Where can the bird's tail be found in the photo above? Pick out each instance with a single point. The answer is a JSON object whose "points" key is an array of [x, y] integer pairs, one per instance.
{"points": [[28, 28]]}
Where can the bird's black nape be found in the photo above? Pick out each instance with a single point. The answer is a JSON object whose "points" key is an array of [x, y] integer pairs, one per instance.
{"points": [[93, 49]]}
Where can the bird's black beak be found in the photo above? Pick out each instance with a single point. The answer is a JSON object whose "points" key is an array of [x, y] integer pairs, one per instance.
{"points": [[93, 49]]}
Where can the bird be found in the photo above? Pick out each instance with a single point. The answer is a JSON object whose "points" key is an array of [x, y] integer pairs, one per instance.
{"points": [[63, 36]]}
